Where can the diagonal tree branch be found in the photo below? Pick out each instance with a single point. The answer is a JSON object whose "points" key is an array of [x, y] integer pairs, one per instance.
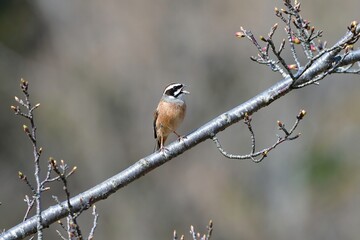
{"points": [[328, 58], [103, 190]]}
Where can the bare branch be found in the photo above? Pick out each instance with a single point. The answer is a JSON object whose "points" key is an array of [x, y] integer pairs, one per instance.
{"points": [[96, 216], [210, 229], [25, 179], [30, 204], [60, 235], [61, 171], [103, 190], [264, 152], [305, 36], [197, 235], [317, 67], [263, 56], [31, 133]]}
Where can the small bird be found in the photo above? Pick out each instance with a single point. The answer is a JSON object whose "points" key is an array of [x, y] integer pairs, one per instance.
{"points": [[169, 113]]}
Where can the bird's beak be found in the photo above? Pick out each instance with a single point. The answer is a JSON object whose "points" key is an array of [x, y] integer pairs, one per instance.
{"points": [[184, 91]]}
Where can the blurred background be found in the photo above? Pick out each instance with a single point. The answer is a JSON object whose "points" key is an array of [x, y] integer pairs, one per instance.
{"points": [[98, 68]]}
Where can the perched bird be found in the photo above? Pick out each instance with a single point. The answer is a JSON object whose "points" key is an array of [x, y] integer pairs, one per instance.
{"points": [[169, 113]]}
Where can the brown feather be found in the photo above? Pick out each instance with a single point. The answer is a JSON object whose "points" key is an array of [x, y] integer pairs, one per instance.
{"points": [[167, 118]]}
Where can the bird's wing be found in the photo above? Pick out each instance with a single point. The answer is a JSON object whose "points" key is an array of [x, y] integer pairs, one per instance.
{"points": [[156, 114]]}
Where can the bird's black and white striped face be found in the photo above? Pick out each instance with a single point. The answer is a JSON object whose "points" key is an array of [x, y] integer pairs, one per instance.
{"points": [[175, 90]]}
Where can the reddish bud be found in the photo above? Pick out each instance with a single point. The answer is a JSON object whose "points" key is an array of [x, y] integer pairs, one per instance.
{"points": [[295, 40], [239, 34], [292, 67]]}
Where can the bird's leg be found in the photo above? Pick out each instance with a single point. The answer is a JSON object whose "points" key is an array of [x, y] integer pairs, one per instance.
{"points": [[162, 148], [180, 138]]}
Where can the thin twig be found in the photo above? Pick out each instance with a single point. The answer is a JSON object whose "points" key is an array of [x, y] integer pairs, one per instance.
{"points": [[74, 226], [60, 235], [324, 74], [210, 229], [30, 205], [263, 57], [31, 133], [264, 152], [25, 179], [196, 235], [96, 216], [247, 121]]}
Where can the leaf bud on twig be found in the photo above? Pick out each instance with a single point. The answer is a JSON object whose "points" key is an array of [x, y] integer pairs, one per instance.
{"points": [[263, 39], [292, 67], [239, 34], [24, 85], [349, 48], [21, 175], [72, 171], [52, 162], [16, 109], [295, 40], [26, 129], [275, 26], [312, 29], [353, 26], [301, 115], [265, 153]]}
